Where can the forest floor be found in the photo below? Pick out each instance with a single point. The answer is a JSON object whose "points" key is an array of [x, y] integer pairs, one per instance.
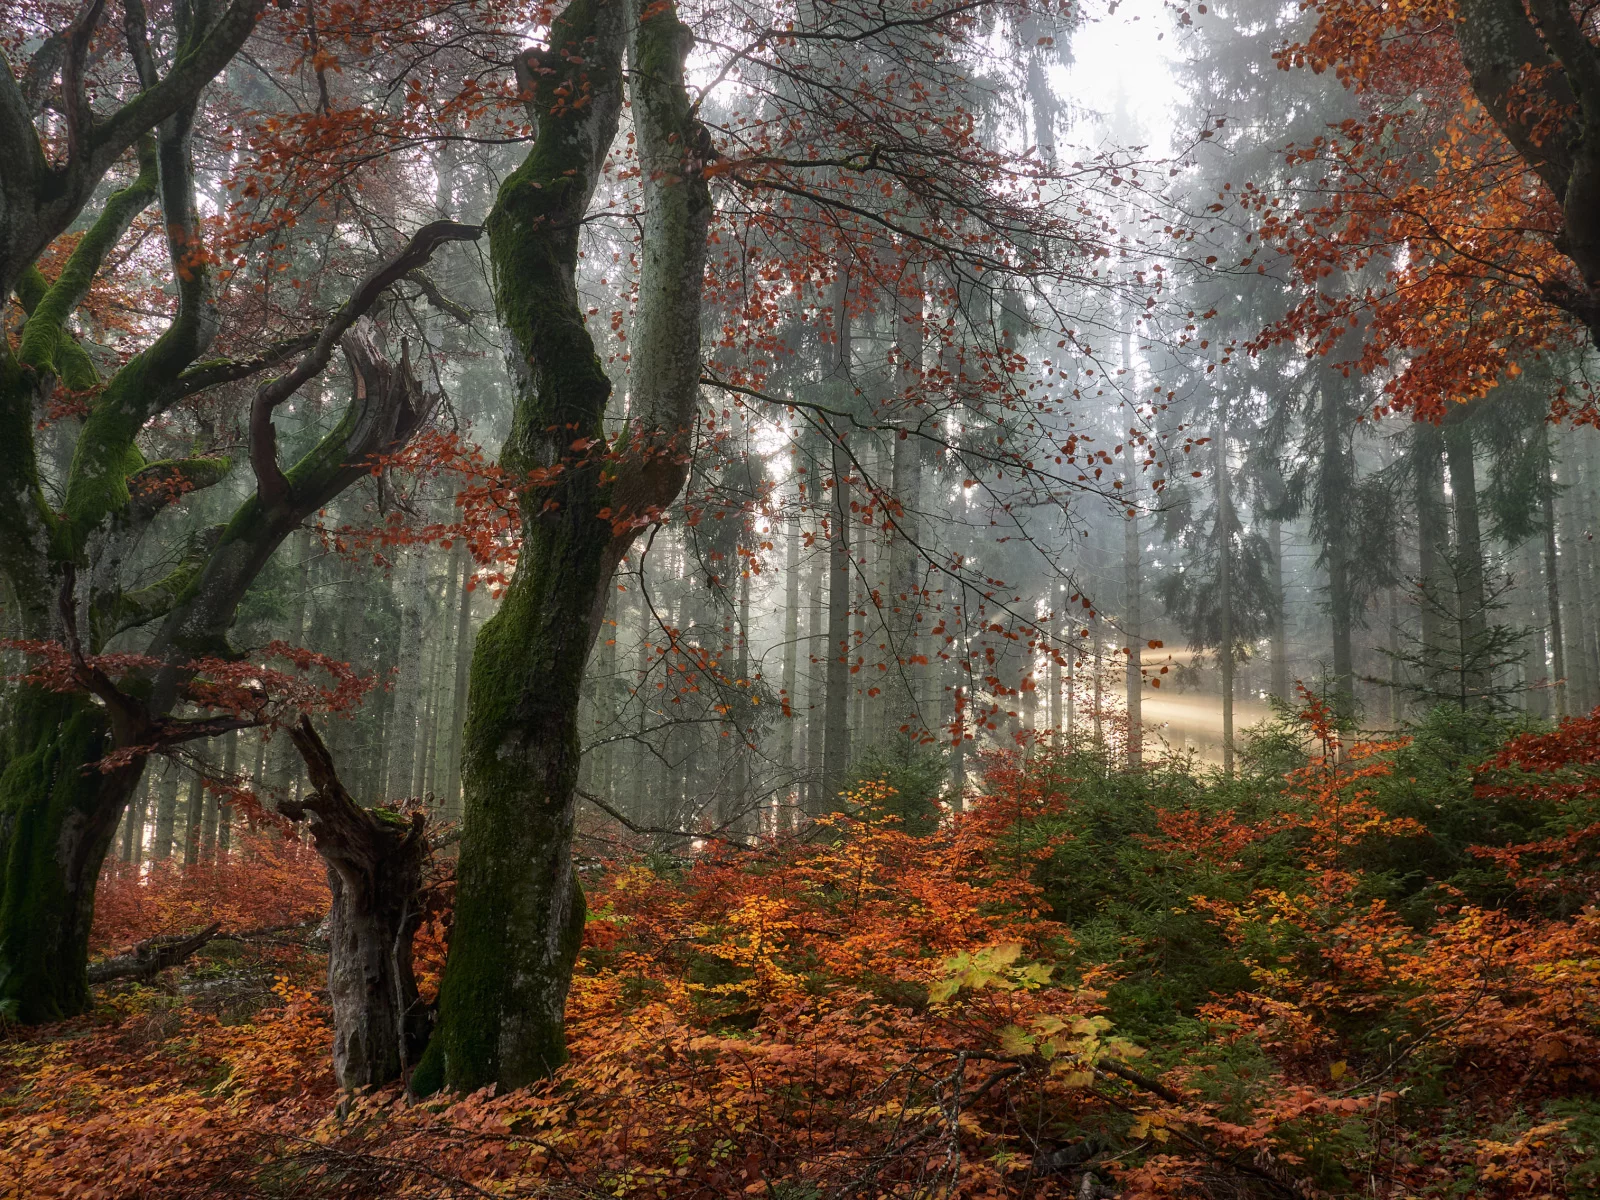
{"points": [[1370, 973]]}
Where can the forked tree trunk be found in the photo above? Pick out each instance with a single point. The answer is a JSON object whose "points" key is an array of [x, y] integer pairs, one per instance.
{"points": [[374, 859], [519, 908]]}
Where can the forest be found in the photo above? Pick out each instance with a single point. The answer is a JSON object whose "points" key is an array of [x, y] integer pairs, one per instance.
{"points": [[864, 599]]}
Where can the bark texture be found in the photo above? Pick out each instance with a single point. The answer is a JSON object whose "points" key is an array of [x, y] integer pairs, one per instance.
{"points": [[519, 906], [374, 859]]}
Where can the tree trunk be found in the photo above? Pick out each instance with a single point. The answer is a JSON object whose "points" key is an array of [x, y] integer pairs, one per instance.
{"points": [[789, 763], [463, 664], [836, 717], [1336, 488], [1432, 538], [1472, 599], [166, 813], [1552, 596], [374, 859], [1280, 638], [193, 820], [1225, 586], [816, 681], [58, 815], [1133, 615], [519, 912]]}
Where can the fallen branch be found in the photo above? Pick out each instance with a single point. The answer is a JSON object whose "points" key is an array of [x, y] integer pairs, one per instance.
{"points": [[151, 956]]}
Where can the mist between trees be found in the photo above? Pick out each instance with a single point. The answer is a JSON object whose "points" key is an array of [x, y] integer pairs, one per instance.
{"points": [[537, 444]]}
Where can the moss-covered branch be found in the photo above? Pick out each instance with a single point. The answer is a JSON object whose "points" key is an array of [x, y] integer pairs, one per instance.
{"points": [[45, 331]]}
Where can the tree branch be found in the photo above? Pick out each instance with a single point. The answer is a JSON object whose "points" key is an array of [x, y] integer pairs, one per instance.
{"points": [[151, 956], [271, 482]]}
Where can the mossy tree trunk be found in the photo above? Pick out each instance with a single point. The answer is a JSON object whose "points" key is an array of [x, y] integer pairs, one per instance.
{"points": [[58, 816], [519, 907]]}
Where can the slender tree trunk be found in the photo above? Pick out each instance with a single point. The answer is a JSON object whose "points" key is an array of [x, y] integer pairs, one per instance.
{"points": [[836, 718], [1432, 538], [1552, 599], [225, 809], [1053, 674], [817, 682], [1588, 595], [1472, 599], [1225, 659], [1133, 602], [1337, 486], [133, 822], [458, 707], [1575, 624], [791, 664], [1280, 616], [166, 814]]}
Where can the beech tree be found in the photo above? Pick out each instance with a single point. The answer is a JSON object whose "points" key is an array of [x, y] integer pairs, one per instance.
{"points": [[75, 739]]}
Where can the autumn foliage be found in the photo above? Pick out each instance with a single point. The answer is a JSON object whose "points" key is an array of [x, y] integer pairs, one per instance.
{"points": [[1376, 1003]]}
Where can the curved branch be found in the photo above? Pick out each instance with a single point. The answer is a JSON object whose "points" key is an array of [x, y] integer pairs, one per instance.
{"points": [[271, 482]]}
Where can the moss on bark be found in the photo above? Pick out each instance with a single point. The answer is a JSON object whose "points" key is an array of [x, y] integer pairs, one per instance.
{"points": [[58, 814]]}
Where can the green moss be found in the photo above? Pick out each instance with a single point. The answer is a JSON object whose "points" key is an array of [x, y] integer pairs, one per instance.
{"points": [[57, 817], [45, 332]]}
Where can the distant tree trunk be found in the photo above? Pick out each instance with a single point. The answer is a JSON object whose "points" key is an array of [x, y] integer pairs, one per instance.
{"points": [[1337, 487], [374, 859], [458, 706], [1472, 599], [1552, 586], [958, 746], [791, 663], [1053, 673], [1280, 638], [1588, 596], [816, 681], [744, 806], [1432, 538], [1071, 701], [224, 809], [1099, 680], [166, 814], [411, 685], [836, 718], [1133, 616], [133, 823], [1225, 584], [1572, 561], [902, 695]]}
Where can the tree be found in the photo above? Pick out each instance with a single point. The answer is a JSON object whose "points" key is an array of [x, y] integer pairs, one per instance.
{"points": [[519, 915], [75, 739], [1474, 152], [375, 858]]}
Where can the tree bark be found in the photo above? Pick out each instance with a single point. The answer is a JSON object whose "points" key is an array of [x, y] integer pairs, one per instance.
{"points": [[374, 859], [836, 716], [519, 908], [1471, 596], [58, 814], [1225, 585], [1337, 486], [1280, 639]]}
